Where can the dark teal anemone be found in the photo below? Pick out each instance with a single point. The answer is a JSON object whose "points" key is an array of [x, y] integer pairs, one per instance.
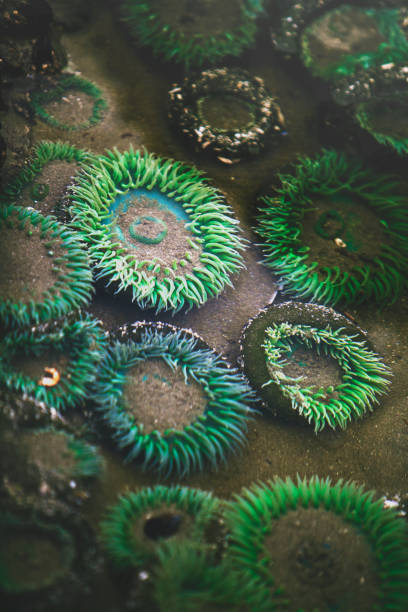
{"points": [[56, 91], [310, 543], [364, 37], [52, 363], [357, 249], [364, 376], [136, 527], [156, 229], [45, 271], [193, 33], [390, 132], [34, 555], [188, 578], [44, 153], [177, 441]]}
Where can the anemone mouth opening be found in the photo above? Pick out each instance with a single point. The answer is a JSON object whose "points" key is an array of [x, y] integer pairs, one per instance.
{"points": [[315, 562], [163, 526]]}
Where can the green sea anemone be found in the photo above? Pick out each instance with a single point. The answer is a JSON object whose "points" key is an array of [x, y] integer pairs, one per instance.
{"points": [[317, 546], [226, 112], [141, 521], [335, 232], [53, 282], [43, 181], [54, 363], [347, 37], [170, 403], [363, 375], [63, 86], [33, 555], [193, 33], [156, 229], [384, 119]]}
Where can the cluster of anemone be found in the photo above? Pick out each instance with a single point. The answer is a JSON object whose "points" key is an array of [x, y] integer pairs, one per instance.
{"points": [[210, 436], [44, 153], [79, 342], [71, 284], [335, 177], [146, 22], [152, 283], [364, 376], [136, 527], [56, 91], [259, 514], [264, 115]]}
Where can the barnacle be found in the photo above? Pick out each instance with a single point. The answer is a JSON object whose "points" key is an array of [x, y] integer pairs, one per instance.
{"points": [[334, 195], [190, 243], [193, 33], [170, 403], [136, 527], [363, 375], [72, 347], [57, 89], [52, 284], [304, 542], [225, 111], [33, 187]]}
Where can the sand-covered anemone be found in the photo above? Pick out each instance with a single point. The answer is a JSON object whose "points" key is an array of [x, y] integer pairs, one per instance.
{"points": [[54, 363], [225, 111], [50, 270], [136, 527], [314, 545], [293, 355], [334, 231], [44, 180], [347, 37], [156, 229], [170, 404], [193, 33], [65, 91]]}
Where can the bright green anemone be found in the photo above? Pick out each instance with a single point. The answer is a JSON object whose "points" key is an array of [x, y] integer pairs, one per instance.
{"points": [[68, 276], [58, 90], [387, 21], [342, 182], [194, 35], [208, 437], [364, 376], [136, 527], [79, 344], [43, 154], [319, 526], [208, 252]]}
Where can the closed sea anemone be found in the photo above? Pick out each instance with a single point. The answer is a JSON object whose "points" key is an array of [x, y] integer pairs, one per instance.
{"points": [[136, 527], [156, 229], [51, 284], [60, 88], [193, 32], [53, 363], [336, 232], [170, 403], [312, 545]]}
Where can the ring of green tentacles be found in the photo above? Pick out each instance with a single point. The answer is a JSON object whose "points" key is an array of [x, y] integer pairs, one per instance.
{"points": [[197, 32], [357, 249], [311, 542], [385, 41], [56, 90], [169, 403], [230, 90], [30, 178], [53, 363], [363, 375], [156, 229], [136, 527], [59, 257]]}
